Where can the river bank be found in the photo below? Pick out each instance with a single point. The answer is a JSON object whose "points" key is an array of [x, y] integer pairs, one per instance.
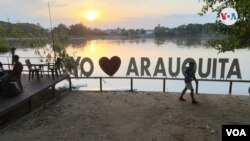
{"points": [[136, 116]]}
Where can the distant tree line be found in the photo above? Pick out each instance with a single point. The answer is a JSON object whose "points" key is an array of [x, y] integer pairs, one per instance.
{"points": [[33, 35], [26, 30], [39, 36], [183, 30], [126, 32]]}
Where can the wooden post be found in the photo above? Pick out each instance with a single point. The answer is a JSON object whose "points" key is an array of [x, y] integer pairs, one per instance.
{"points": [[131, 85], [197, 87], [164, 85], [230, 87], [53, 89], [30, 105], [70, 84], [101, 84]]}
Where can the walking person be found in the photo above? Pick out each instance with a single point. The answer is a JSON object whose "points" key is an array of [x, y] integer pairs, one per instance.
{"points": [[189, 74]]}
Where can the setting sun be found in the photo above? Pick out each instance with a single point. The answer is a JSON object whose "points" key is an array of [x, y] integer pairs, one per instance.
{"points": [[91, 15]]}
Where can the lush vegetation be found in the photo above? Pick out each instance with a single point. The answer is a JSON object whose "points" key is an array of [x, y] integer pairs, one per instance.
{"points": [[237, 35], [184, 30], [34, 35], [25, 30], [28, 35], [4, 46]]}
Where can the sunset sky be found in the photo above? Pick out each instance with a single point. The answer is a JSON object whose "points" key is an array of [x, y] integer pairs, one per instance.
{"points": [[105, 14]]}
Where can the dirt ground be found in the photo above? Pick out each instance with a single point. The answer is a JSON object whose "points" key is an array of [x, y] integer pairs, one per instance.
{"points": [[131, 116]]}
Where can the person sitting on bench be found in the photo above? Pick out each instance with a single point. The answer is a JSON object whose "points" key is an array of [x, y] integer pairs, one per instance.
{"points": [[15, 74], [1, 68]]}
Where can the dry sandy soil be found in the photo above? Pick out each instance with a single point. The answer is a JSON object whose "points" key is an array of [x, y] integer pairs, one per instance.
{"points": [[126, 116]]}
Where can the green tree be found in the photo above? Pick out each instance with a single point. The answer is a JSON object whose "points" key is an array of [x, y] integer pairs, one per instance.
{"points": [[237, 36], [160, 30], [194, 29], [61, 32], [78, 29], [4, 45], [29, 35]]}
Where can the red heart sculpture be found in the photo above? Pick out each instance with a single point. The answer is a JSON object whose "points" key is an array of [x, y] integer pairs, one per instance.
{"points": [[111, 66]]}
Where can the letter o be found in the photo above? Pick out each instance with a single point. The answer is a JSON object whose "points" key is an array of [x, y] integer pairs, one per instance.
{"points": [[87, 60], [186, 62], [236, 132]]}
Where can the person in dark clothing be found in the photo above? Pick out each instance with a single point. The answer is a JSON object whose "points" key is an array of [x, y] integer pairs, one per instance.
{"points": [[1, 69], [14, 74], [1, 66], [189, 74]]}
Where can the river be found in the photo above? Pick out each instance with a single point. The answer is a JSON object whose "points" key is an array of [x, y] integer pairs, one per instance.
{"points": [[150, 57]]}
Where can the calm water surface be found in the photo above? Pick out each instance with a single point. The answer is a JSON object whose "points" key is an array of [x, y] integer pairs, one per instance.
{"points": [[153, 49]]}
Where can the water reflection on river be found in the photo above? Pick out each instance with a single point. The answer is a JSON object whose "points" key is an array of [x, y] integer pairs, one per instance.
{"points": [[152, 48]]}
